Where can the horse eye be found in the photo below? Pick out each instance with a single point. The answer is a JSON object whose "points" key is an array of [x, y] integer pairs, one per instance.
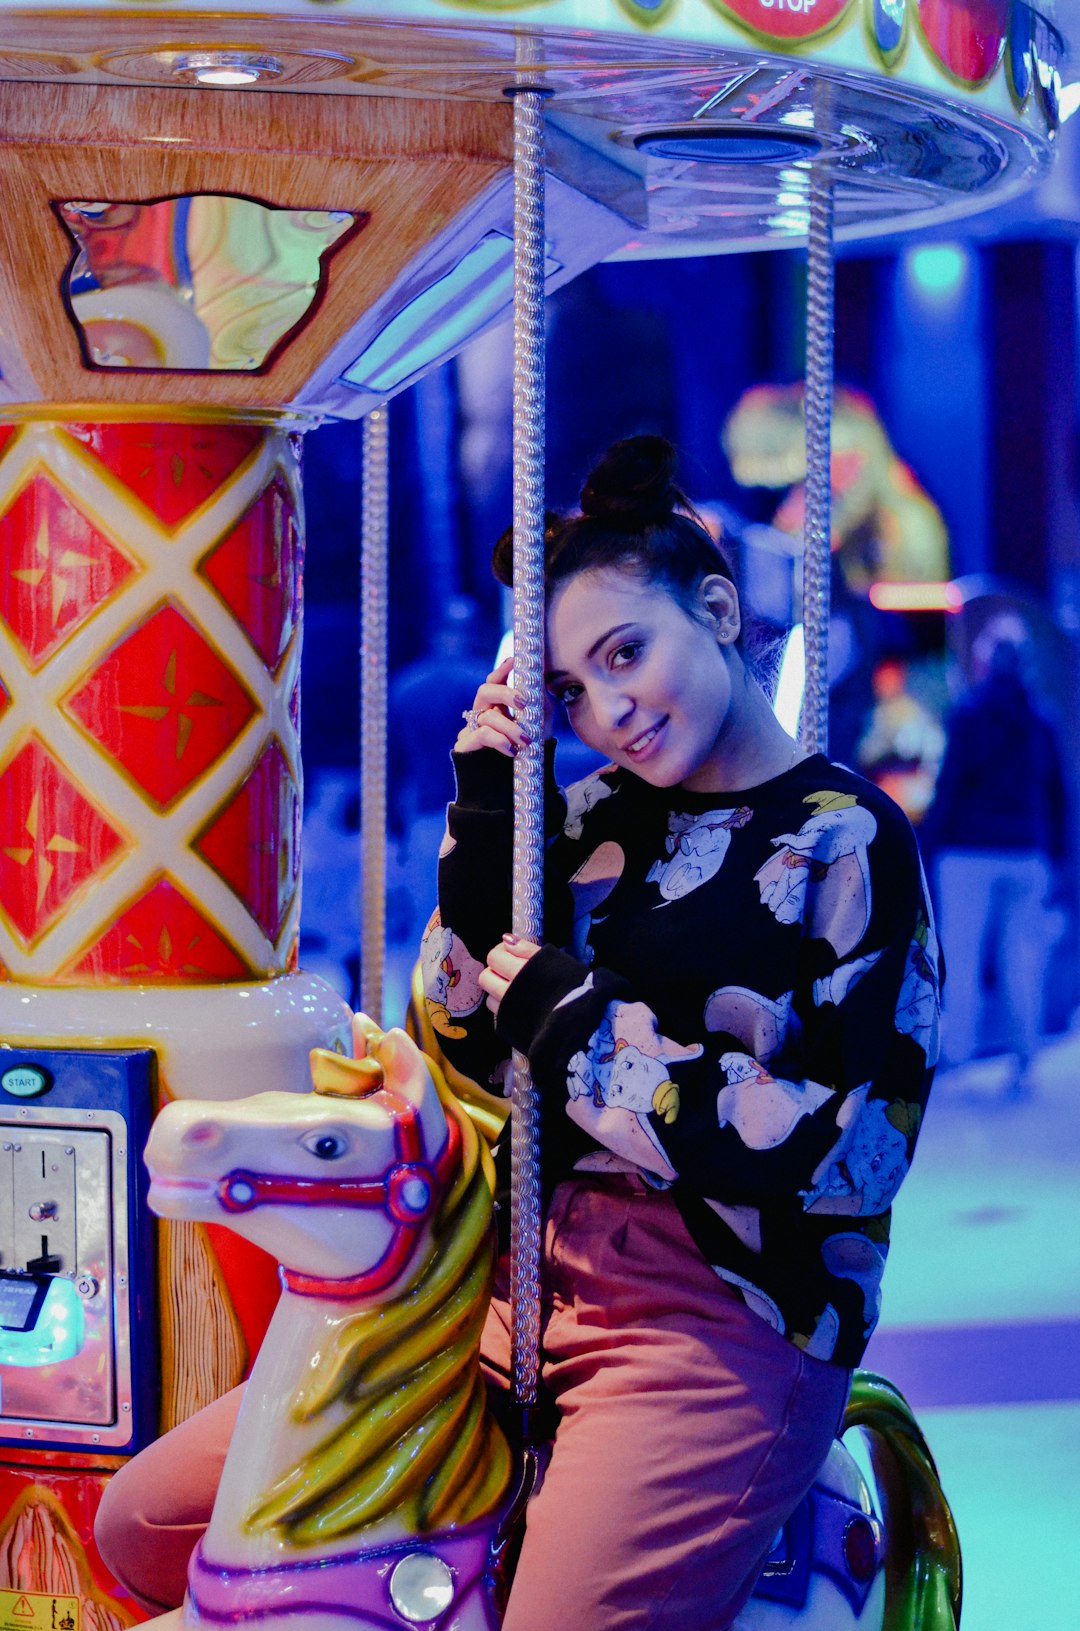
{"points": [[327, 1146]]}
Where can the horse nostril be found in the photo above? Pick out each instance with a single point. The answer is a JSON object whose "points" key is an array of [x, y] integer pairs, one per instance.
{"points": [[203, 1133]]}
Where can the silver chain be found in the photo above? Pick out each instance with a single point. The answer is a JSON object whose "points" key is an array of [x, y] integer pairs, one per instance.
{"points": [[817, 527], [374, 553], [528, 864]]}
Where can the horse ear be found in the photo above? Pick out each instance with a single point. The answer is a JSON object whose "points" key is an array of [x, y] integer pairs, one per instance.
{"points": [[405, 1070], [338, 1077], [365, 1034]]}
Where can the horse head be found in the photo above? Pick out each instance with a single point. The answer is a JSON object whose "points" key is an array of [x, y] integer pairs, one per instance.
{"points": [[340, 1184]]}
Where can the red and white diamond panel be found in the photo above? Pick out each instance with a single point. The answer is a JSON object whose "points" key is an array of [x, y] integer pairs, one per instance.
{"points": [[264, 871], [256, 569], [58, 568], [160, 936], [150, 602], [163, 705], [54, 841]]}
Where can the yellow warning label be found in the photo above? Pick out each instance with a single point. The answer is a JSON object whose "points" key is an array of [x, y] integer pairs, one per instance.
{"points": [[38, 1611]]}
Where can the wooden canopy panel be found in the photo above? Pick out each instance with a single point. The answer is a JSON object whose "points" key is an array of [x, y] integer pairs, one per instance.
{"points": [[410, 167]]}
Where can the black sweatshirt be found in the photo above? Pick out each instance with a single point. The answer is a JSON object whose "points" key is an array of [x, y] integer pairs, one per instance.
{"points": [[738, 997]]}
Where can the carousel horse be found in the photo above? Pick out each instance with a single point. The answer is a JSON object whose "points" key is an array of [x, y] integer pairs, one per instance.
{"points": [[367, 1486], [365, 1476]]}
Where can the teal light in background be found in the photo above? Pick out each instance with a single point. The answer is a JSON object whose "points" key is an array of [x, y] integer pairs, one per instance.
{"points": [[938, 271], [933, 382]]}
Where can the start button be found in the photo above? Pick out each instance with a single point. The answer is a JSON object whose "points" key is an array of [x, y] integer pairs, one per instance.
{"points": [[25, 1081]]}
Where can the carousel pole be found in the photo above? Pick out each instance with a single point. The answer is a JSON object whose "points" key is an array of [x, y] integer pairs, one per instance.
{"points": [[817, 533], [528, 569], [374, 587]]}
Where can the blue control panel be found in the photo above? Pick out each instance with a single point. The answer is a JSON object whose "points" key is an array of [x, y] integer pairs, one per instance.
{"points": [[78, 1307]]}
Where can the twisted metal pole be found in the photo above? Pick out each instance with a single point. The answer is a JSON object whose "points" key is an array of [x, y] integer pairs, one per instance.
{"points": [[528, 864], [817, 526], [374, 575]]}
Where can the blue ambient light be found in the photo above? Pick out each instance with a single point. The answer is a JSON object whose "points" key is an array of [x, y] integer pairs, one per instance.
{"points": [[442, 317]]}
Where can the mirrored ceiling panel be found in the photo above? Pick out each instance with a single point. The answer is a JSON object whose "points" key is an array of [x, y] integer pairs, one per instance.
{"points": [[438, 321], [206, 282]]}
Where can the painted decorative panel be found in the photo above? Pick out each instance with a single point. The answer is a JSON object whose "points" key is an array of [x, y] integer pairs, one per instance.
{"points": [[53, 840], [163, 704], [58, 567], [787, 21], [968, 40], [161, 936], [47, 1546], [149, 650], [256, 569], [888, 19], [172, 469], [254, 844]]}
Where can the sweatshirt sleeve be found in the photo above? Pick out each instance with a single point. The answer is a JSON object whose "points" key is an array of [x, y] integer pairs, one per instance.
{"points": [[474, 901], [828, 1122]]}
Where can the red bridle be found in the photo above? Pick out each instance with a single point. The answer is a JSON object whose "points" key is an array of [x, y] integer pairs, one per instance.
{"points": [[408, 1193]]}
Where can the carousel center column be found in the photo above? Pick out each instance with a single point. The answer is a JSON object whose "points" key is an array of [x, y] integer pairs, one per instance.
{"points": [[150, 793]]}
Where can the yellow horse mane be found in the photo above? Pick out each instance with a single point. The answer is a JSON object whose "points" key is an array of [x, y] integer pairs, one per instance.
{"points": [[416, 1441]]}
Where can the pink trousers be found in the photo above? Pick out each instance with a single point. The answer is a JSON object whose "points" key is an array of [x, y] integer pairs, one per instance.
{"points": [[688, 1431]]}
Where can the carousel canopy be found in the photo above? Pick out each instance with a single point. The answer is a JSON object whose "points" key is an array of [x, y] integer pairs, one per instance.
{"points": [[301, 206]]}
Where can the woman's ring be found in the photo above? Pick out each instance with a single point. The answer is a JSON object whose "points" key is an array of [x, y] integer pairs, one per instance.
{"points": [[471, 718]]}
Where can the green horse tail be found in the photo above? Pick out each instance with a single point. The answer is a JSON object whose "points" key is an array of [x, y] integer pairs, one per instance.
{"points": [[923, 1572]]}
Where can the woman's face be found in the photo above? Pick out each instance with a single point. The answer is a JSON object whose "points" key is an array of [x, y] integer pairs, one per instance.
{"points": [[643, 682]]}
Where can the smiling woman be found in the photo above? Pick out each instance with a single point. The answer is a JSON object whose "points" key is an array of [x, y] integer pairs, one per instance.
{"points": [[655, 690], [732, 1025]]}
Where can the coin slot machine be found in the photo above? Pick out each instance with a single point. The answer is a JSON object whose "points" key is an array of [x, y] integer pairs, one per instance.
{"points": [[76, 1282], [79, 1370]]}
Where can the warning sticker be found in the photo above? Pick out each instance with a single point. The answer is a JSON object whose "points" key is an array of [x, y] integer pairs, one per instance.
{"points": [[38, 1611]]}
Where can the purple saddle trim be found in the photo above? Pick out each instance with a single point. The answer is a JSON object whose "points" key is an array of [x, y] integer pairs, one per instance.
{"points": [[826, 1534], [354, 1585]]}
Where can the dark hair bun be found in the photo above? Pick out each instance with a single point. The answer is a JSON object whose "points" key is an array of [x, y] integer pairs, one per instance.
{"points": [[633, 486], [502, 556]]}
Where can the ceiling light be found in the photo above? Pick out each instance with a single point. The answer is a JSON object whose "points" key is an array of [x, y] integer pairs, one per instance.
{"points": [[707, 143], [225, 69]]}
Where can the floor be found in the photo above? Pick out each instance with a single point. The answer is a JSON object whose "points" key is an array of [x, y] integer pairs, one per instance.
{"points": [[981, 1330]]}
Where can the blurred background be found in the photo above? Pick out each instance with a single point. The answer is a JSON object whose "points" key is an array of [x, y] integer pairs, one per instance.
{"points": [[955, 666]]}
